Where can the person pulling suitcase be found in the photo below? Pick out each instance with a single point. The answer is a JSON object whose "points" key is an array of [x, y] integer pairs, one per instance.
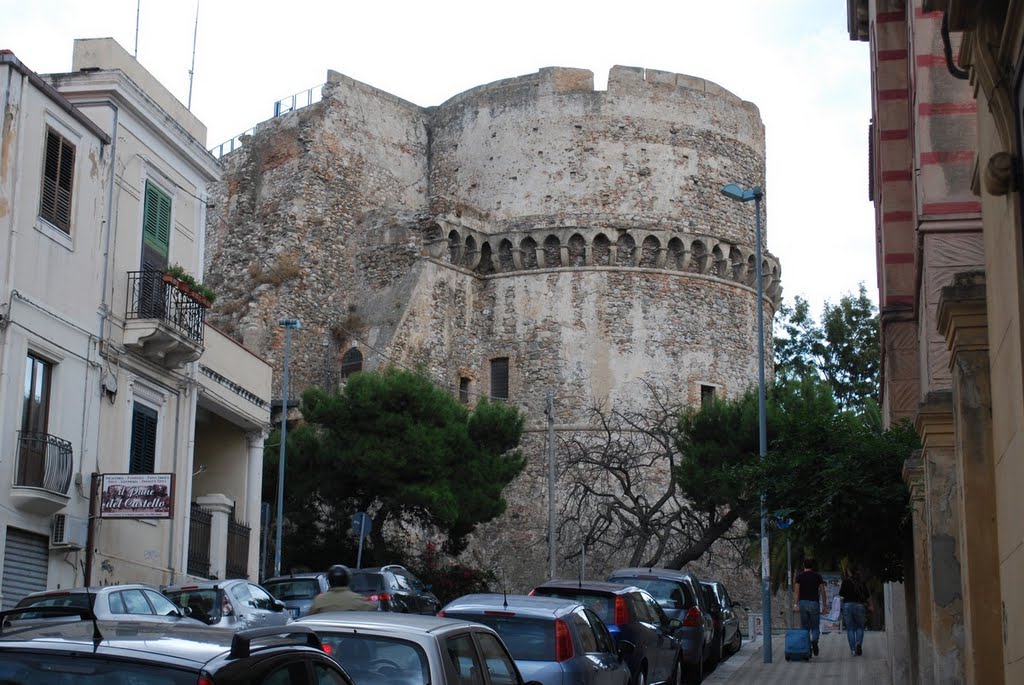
{"points": [[810, 600]]}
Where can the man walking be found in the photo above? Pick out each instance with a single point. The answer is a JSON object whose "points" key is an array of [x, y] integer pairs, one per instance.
{"points": [[855, 604], [809, 600], [339, 597]]}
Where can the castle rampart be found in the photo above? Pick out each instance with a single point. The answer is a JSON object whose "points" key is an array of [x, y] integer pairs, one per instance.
{"points": [[578, 234]]}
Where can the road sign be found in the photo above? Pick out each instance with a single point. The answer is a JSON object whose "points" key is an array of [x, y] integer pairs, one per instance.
{"points": [[362, 524]]}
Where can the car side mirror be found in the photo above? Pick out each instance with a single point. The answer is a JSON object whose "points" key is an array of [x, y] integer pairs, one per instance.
{"points": [[674, 624], [185, 611], [624, 648], [278, 605]]}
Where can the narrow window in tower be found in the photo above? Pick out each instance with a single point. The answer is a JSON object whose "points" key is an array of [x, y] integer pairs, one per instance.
{"points": [[707, 395], [499, 379], [464, 390]]}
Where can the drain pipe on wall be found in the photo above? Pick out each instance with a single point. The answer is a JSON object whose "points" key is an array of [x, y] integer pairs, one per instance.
{"points": [[186, 490], [177, 489]]}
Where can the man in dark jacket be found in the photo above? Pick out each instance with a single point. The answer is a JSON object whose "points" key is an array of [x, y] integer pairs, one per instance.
{"points": [[808, 589], [339, 597]]}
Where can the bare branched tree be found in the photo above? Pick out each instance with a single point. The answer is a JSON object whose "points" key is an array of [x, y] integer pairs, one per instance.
{"points": [[623, 501]]}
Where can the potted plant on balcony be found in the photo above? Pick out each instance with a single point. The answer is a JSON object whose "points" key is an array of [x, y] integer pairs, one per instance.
{"points": [[176, 275]]}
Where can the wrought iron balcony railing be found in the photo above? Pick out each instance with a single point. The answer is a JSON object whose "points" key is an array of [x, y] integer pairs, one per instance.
{"points": [[151, 297], [44, 461]]}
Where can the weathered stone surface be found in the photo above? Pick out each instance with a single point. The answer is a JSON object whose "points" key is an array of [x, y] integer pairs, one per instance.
{"points": [[579, 233]]}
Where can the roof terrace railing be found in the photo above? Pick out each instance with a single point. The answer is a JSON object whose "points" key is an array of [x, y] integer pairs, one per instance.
{"points": [[283, 106]]}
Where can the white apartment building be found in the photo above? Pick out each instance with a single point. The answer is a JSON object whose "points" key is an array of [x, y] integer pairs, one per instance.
{"points": [[131, 433]]}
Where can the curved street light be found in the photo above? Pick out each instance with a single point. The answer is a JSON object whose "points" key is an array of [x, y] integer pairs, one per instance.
{"points": [[735, 192]]}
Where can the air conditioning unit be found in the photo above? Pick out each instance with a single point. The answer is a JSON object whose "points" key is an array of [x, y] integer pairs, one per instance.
{"points": [[68, 532]]}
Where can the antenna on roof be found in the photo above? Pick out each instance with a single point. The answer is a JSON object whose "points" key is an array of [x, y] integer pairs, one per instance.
{"points": [[138, 4], [504, 592], [192, 69]]}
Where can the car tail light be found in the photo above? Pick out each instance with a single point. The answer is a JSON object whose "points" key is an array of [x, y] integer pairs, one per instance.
{"points": [[499, 613], [693, 618], [327, 648], [441, 614], [621, 611], [532, 593], [563, 641], [203, 680], [378, 597]]}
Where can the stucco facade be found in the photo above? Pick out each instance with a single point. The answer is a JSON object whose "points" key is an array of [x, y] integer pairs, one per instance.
{"points": [[103, 359], [578, 234]]}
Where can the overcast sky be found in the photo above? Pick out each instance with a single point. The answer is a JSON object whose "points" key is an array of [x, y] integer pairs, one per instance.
{"points": [[793, 58]]}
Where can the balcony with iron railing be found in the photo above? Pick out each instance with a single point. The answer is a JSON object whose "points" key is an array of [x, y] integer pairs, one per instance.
{"points": [[163, 322], [42, 476]]}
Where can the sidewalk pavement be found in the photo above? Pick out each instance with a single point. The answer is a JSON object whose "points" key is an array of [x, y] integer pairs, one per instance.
{"points": [[834, 665]]}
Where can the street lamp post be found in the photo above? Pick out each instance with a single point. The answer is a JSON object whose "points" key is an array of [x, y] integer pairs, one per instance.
{"points": [[289, 325], [734, 192]]}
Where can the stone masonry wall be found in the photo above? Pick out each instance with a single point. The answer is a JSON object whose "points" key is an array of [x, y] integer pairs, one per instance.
{"points": [[579, 233]]}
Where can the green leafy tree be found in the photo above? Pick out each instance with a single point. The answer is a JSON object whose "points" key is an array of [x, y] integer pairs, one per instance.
{"points": [[393, 444], [843, 349]]}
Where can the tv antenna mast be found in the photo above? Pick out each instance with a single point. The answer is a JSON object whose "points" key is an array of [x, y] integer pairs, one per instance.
{"points": [[192, 69]]}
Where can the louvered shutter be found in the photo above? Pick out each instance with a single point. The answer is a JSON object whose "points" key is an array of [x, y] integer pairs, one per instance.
{"points": [[156, 228], [143, 442], [58, 180]]}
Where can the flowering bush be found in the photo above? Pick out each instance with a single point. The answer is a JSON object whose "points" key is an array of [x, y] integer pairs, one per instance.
{"points": [[449, 580]]}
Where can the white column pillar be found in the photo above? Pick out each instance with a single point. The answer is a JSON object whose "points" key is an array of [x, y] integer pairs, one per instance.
{"points": [[220, 506], [253, 495]]}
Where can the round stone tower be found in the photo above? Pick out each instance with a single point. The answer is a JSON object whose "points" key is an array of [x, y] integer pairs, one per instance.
{"points": [[526, 237]]}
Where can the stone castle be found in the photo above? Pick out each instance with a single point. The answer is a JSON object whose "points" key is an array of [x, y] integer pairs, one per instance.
{"points": [[528, 236]]}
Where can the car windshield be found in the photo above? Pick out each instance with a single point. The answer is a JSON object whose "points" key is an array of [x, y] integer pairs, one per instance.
{"points": [[302, 588], [527, 639], [201, 602], [375, 660], [670, 595], [366, 582], [600, 603], [49, 668]]}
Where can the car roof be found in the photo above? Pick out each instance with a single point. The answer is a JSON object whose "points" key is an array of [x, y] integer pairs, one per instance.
{"points": [[204, 584], [93, 590], [591, 586], [385, 621], [525, 605], [190, 646], [295, 576], [653, 572]]}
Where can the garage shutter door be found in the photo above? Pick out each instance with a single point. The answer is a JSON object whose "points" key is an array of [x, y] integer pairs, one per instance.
{"points": [[26, 557]]}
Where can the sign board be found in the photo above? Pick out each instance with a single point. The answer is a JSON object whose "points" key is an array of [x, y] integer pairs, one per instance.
{"points": [[362, 524], [137, 495]]}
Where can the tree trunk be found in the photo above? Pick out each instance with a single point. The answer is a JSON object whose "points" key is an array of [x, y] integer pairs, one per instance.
{"points": [[711, 534]]}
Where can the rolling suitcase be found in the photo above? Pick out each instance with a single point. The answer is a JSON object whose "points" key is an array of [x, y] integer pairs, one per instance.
{"points": [[798, 645]]}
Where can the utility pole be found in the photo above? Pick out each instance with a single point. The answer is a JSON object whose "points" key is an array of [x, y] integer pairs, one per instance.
{"points": [[550, 411]]}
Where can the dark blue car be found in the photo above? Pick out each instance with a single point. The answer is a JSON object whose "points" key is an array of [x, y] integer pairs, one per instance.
{"points": [[633, 615]]}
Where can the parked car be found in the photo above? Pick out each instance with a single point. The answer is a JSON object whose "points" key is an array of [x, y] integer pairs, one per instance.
{"points": [[680, 595], [383, 648], [394, 588], [83, 650], [297, 590], [728, 638], [127, 602], [630, 614], [231, 604], [552, 640]]}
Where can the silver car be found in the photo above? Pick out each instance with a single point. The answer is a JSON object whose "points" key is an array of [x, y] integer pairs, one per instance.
{"points": [[297, 590], [554, 641], [129, 602], [231, 604], [377, 648]]}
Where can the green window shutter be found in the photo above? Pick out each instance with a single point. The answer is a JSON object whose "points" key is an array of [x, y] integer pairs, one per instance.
{"points": [[156, 219]]}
